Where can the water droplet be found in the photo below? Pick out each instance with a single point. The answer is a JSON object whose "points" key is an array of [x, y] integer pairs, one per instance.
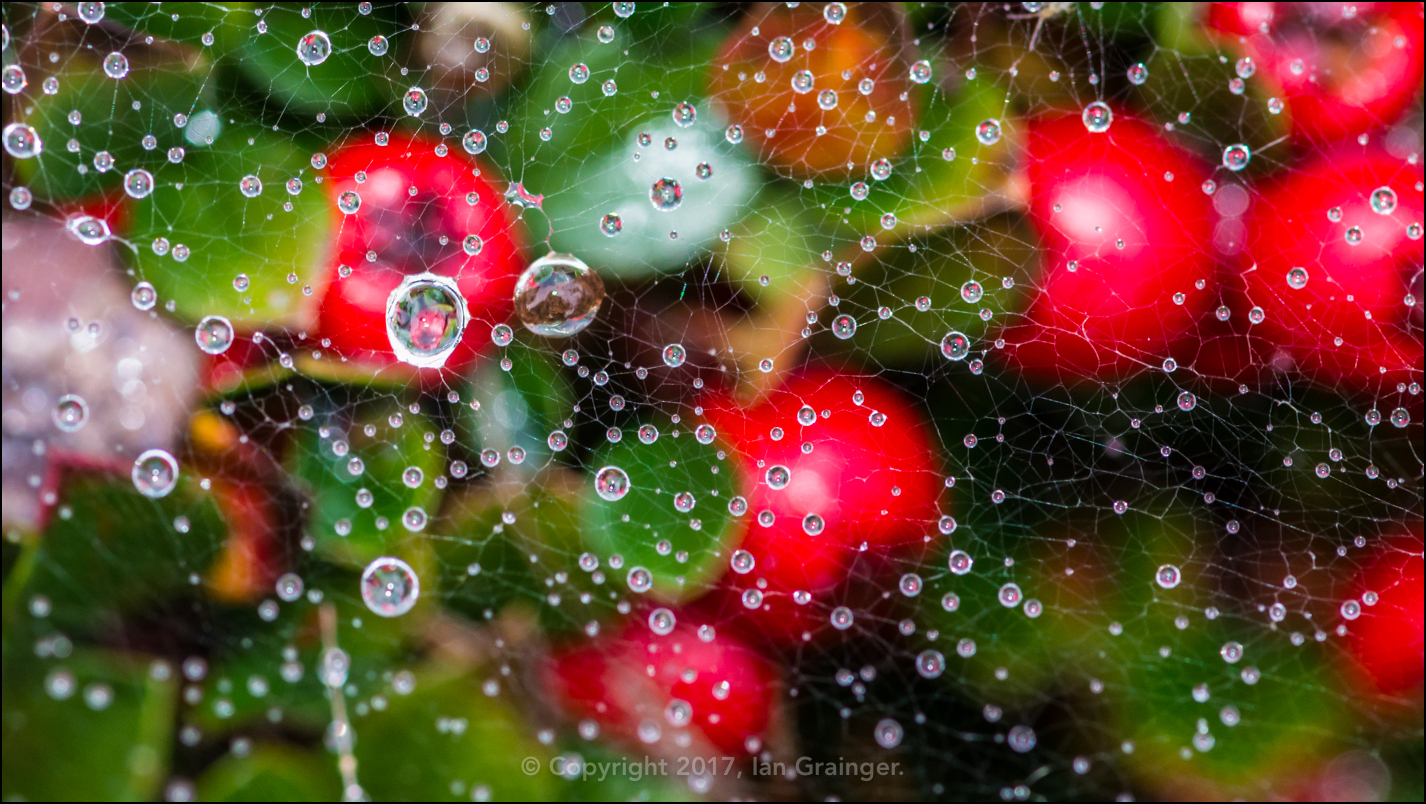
{"points": [[988, 132], [250, 186], [349, 202], [661, 622], [781, 49], [116, 65], [90, 231], [955, 346], [414, 101], [474, 142], [1097, 117], [1231, 652], [778, 477], [813, 525], [684, 115], [21, 141], [611, 225], [639, 579], [214, 334], [389, 587], [143, 296], [1021, 739], [1297, 278], [921, 72], [844, 326], [70, 412], [1009, 595], [683, 502], [972, 292], [425, 319], [889, 733], [1400, 417], [1354, 236], [138, 183], [960, 562], [314, 48], [91, 13], [377, 45], [742, 562], [289, 587], [930, 663], [841, 618], [558, 295], [1187, 401], [1236, 157], [802, 82], [1383, 200], [648, 434], [674, 354], [665, 194], [155, 473], [1138, 74], [1168, 576]]}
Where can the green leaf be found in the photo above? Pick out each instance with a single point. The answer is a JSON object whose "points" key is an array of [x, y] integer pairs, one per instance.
{"points": [[111, 550], [229, 23], [588, 168], [109, 122], [385, 457], [464, 735], [271, 773], [635, 525], [198, 203], [69, 750], [350, 82]]}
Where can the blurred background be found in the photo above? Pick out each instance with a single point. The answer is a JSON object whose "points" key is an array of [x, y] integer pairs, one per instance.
{"points": [[577, 401]]}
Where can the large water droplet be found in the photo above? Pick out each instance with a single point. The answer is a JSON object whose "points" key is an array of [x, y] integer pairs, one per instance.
{"points": [[389, 587], [1236, 157], [955, 346], [921, 72], [155, 473], [70, 412], [1168, 576], [21, 141], [666, 195], [661, 622], [425, 319], [214, 334], [138, 183], [558, 295], [314, 48], [116, 65], [1383, 200], [889, 733], [781, 49], [1097, 117], [684, 115], [611, 483], [414, 101], [988, 132]]}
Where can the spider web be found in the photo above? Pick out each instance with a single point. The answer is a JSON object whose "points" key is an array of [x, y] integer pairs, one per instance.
{"points": [[1167, 596]]}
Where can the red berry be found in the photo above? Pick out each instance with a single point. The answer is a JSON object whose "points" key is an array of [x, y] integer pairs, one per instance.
{"points": [[1342, 74], [1386, 640], [403, 229], [720, 688], [863, 481], [1124, 227], [1357, 293]]}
